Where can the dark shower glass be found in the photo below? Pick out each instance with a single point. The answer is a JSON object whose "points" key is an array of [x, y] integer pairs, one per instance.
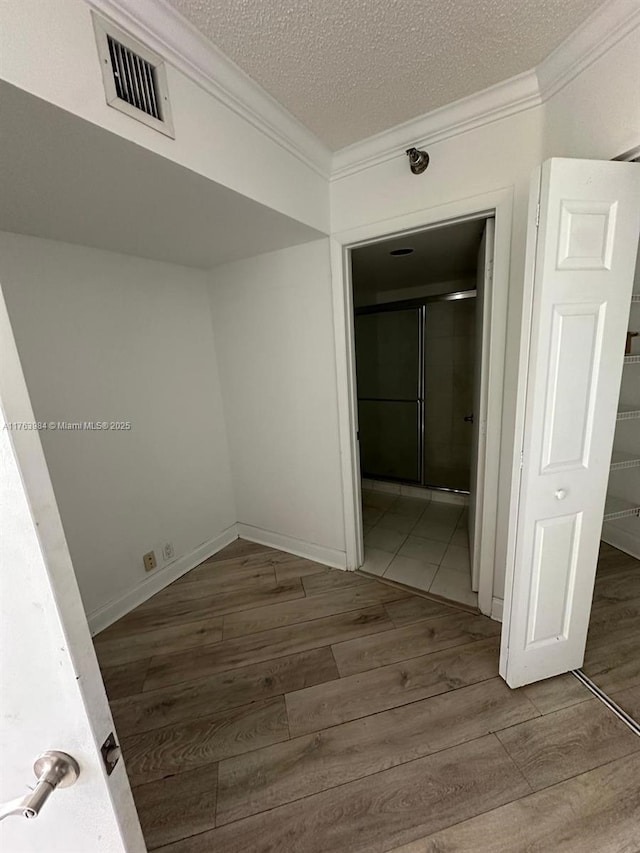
{"points": [[389, 393]]}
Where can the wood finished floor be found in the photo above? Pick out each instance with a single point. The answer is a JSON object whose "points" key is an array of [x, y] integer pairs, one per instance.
{"points": [[612, 657], [266, 703]]}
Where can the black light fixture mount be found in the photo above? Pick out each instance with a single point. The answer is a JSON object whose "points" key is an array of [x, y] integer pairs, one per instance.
{"points": [[418, 160]]}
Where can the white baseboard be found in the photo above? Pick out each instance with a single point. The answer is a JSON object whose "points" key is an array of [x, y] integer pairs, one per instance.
{"points": [[319, 553], [497, 605], [119, 607], [623, 540]]}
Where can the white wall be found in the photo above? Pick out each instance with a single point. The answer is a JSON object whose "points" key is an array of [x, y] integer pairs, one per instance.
{"points": [[107, 337], [272, 318], [48, 49], [597, 116]]}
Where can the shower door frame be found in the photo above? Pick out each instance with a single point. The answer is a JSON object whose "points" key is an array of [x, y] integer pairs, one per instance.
{"points": [[400, 305], [497, 204]]}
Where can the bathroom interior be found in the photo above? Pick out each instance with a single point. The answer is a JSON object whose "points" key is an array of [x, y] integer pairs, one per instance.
{"points": [[418, 340]]}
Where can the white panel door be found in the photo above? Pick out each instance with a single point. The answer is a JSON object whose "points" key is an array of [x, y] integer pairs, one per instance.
{"points": [[484, 277], [52, 696], [585, 254]]}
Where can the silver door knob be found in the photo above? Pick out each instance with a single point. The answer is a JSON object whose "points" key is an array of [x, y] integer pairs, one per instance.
{"points": [[53, 770], [561, 494]]}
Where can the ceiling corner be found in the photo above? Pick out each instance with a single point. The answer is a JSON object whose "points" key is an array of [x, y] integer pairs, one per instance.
{"points": [[158, 25], [599, 33]]}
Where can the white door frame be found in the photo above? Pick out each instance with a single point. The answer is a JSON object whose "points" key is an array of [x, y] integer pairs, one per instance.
{"points": [[497, 204]]}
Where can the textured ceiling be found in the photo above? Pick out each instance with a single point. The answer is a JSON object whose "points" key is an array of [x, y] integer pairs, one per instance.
{"points": [[351, 68]]}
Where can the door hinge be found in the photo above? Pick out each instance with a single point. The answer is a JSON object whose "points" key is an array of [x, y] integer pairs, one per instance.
{"points": [[538, 215], [521, 459]]}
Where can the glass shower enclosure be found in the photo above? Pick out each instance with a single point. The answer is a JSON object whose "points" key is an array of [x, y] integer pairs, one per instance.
{"points": [[415, 378]]}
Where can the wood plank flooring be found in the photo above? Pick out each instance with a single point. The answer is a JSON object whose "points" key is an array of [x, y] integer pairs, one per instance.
{"points": [[266, 703], [612, 657]]}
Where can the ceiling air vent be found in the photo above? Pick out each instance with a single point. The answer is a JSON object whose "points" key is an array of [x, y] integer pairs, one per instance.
{"points": [[135, 79]]}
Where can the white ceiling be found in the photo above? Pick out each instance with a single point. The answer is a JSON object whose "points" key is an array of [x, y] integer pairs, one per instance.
{"points": [[66, 179], [351, 68], [440, 254]]}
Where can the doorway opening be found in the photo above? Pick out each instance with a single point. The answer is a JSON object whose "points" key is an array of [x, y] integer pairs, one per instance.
{"points": [[422, 331]]}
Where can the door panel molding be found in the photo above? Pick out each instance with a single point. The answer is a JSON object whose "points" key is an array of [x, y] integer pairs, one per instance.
{"points": [[587, 231], [576, 335], [556, 543]]}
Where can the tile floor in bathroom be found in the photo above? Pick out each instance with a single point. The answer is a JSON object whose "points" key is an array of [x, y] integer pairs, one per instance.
{"points": [[421, 543]]}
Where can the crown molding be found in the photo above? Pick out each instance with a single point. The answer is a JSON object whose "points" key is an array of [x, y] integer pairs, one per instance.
{"points": [[602, 30], [599, 33], [166, 32], [497, 102]]}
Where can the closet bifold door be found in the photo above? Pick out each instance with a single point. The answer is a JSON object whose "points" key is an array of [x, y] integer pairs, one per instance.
{"points": [[389, 349], [582, 251]]}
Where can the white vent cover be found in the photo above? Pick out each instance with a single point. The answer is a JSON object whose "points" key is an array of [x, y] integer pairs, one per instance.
{"points": [[135, 79]]}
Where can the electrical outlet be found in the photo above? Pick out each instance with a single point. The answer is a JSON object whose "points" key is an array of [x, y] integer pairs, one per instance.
{"points": [[149, 561], [168, 551]]}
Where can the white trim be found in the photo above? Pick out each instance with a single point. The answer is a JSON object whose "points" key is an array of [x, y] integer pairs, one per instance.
{"points": [[165, 31], [519, 422], [109, 613], [496, 609], [309, 550], [344, 344], [161, 27], [497, 204], [602, 30], [497, 102]]}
